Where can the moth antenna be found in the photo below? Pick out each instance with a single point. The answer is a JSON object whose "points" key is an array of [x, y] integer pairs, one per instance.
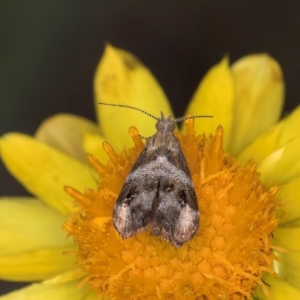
{"points": [[190, 117], [128, 106]]}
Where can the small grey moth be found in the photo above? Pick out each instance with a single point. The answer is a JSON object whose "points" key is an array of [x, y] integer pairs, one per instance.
{"points": [[159, 191]]}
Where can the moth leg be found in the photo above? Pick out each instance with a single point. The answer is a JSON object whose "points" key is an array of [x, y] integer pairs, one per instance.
{"points": [[145, 138]]}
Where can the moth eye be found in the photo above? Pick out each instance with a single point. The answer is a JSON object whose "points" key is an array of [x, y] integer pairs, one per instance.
{"points": [[182, 198], [169, 188]]}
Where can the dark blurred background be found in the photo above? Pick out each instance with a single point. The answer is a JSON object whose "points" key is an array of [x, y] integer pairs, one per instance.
{"points": [[49, 51]]}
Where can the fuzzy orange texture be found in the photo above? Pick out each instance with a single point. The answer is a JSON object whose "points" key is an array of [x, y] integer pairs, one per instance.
{"points": [[225, 259]]}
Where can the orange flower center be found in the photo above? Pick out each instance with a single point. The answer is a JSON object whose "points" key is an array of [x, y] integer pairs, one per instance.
{"points": [[224, 260]]}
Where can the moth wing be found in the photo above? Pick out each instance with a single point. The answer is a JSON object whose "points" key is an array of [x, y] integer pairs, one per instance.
{"points": [[132, 212], [188, 220], [176, 217]]}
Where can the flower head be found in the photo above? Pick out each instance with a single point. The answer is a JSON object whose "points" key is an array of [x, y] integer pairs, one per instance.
{"points": [[226, 258], [237, 241]]}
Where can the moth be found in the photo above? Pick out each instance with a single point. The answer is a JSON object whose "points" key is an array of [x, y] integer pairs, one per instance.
{"points": [[159, 192]]}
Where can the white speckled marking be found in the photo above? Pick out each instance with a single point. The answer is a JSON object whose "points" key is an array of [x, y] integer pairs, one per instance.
{"points": [[161, 167]]}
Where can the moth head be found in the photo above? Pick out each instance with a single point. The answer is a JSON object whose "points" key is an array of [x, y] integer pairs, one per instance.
{"points": [[167, 124]]}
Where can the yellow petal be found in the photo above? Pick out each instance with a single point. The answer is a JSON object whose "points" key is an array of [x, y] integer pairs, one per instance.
{"points": [[66, 276], [28, 224], [287, 238], [259, 91], [43, 170], [65, 132], [36, 265], [90, 296], [283, 164], [93, 144], [279, 290], [273, 139], [289, 193], [52, 291], [215, 96], [294, 223], [288, 267], [122, 79]]}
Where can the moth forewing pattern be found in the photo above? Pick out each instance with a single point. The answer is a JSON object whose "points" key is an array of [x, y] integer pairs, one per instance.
{"points": [[159, 191]]}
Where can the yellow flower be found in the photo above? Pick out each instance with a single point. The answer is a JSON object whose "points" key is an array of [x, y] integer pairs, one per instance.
{"points": [[233, 245]]}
